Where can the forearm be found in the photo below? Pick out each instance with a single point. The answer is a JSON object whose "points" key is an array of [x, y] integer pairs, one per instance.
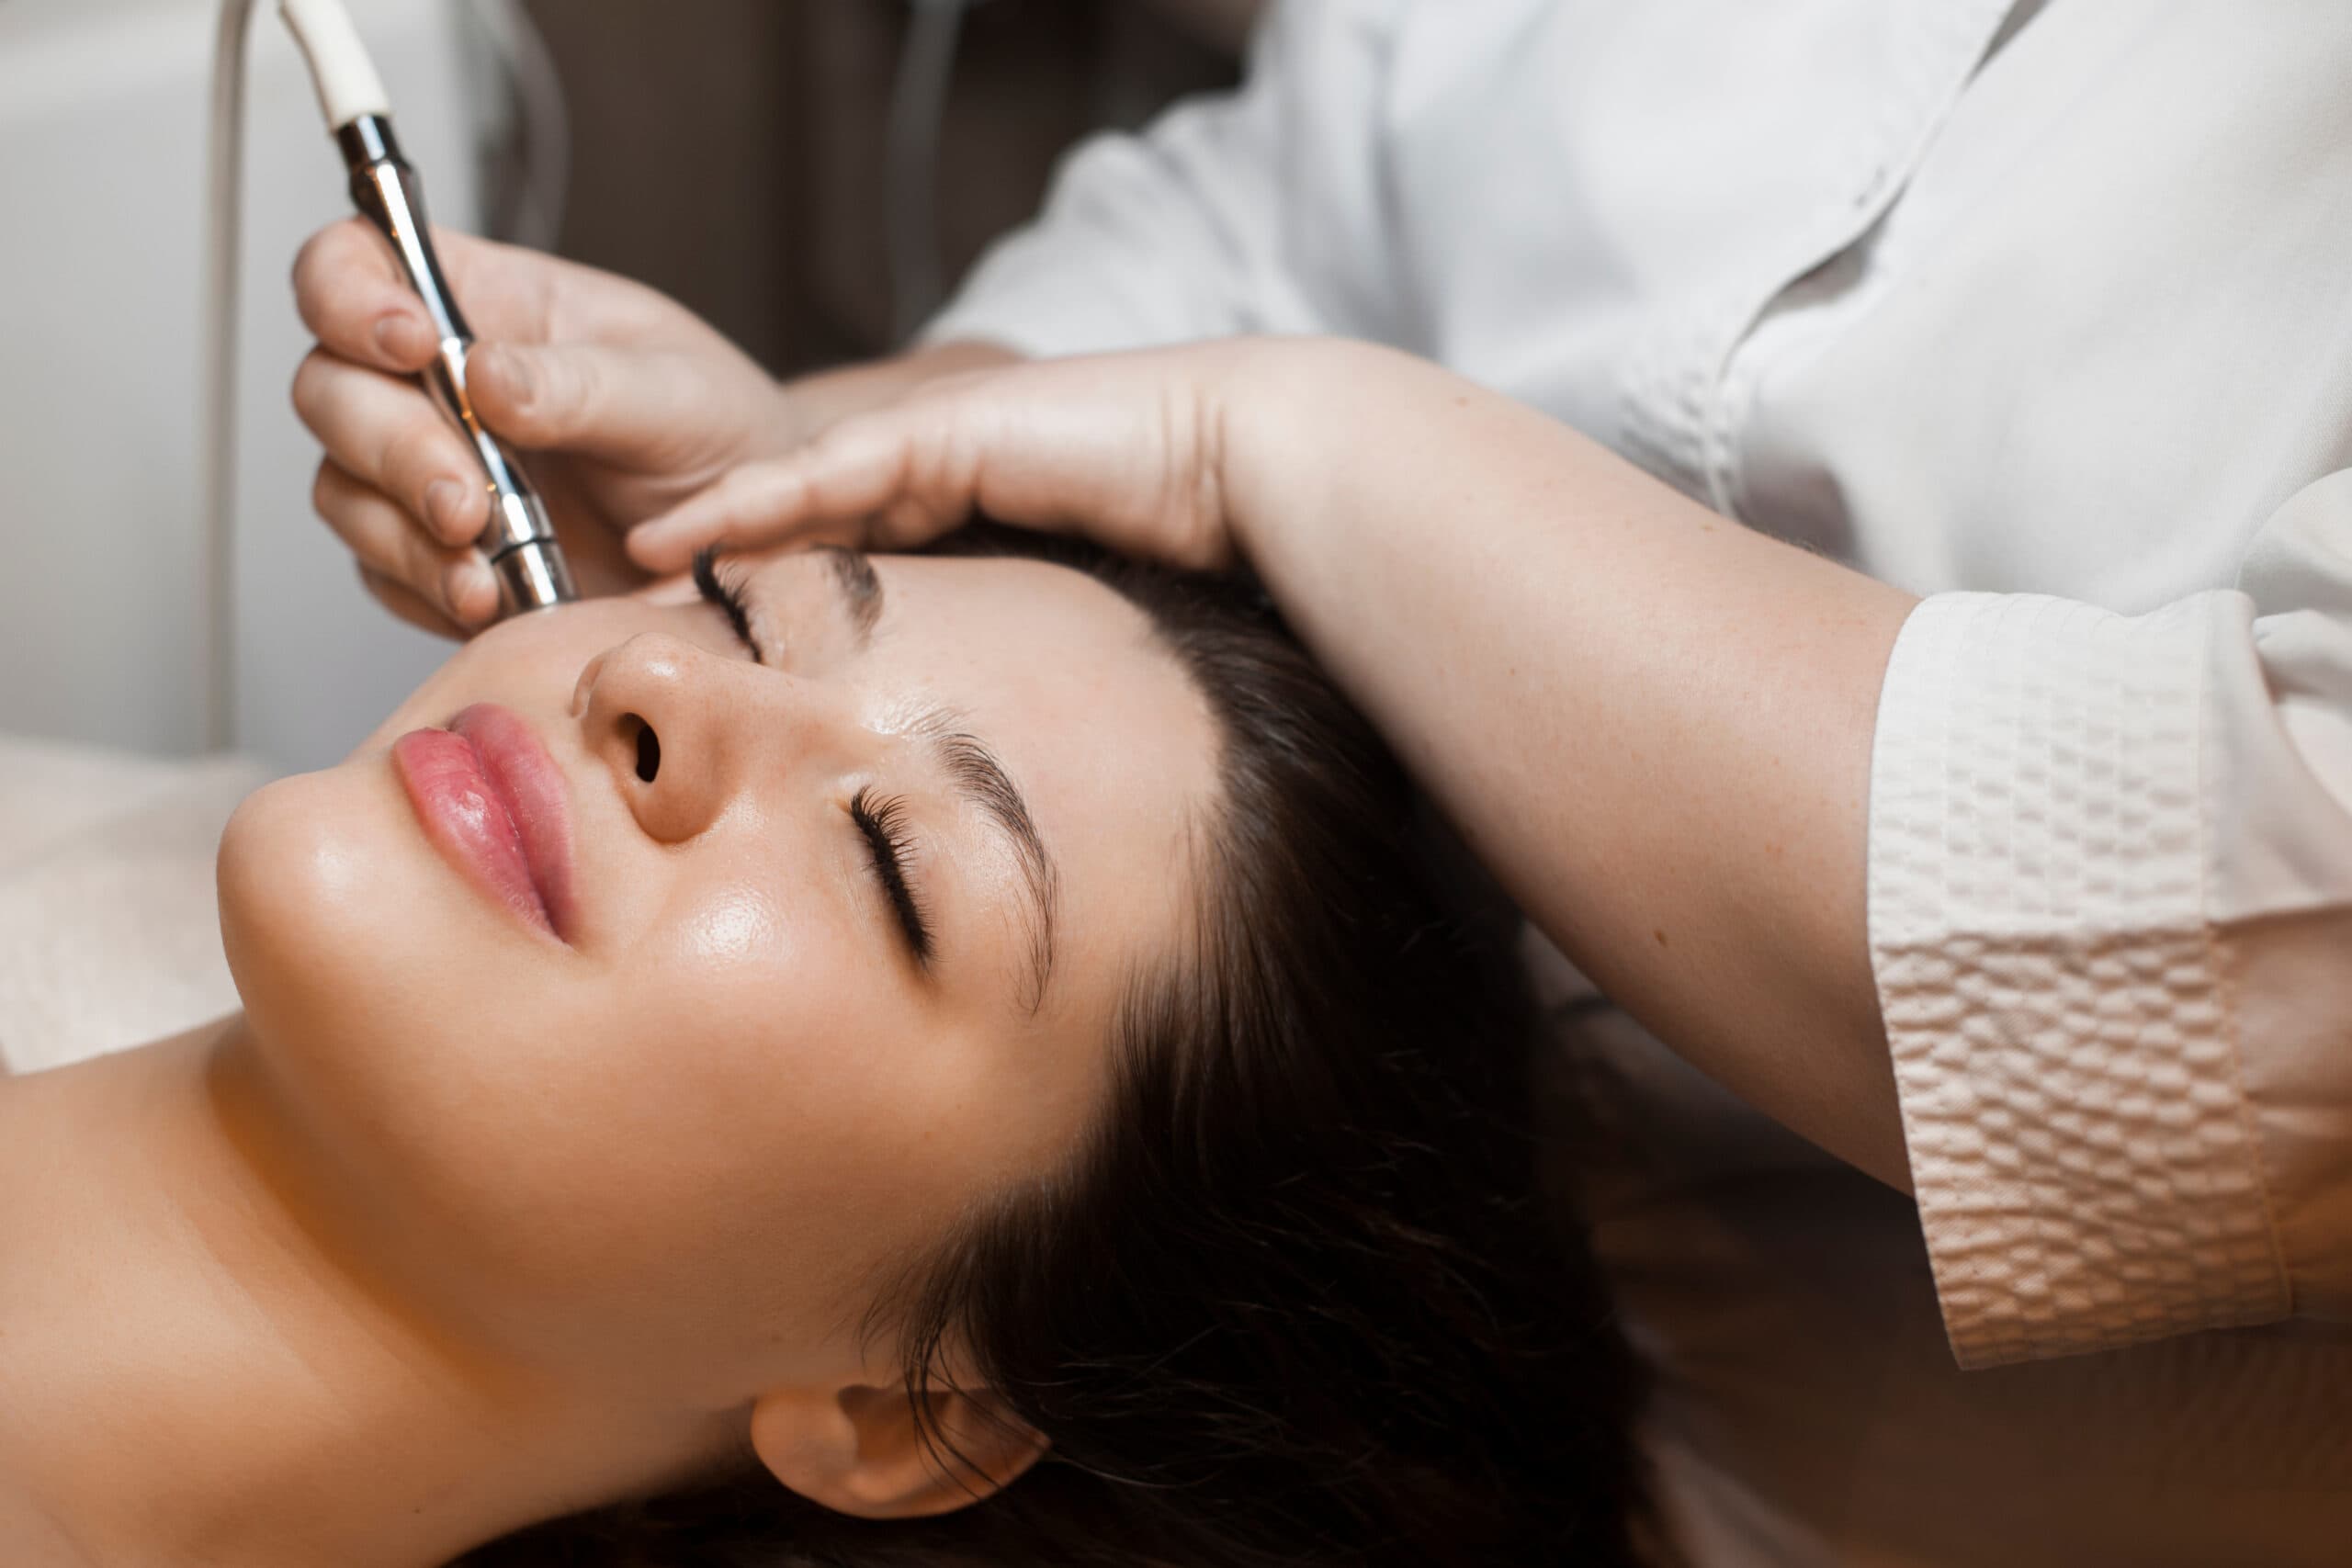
{"points": [[1652, 723]]}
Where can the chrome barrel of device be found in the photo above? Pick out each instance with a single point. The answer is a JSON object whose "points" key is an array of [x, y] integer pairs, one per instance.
{"points": [[519, 542]]}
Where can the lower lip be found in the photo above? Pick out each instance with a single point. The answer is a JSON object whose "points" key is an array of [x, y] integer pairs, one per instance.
{"points": [[471, 818]]}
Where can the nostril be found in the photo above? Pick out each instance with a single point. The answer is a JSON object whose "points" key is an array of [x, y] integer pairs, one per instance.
{"points": [[649, 749]]}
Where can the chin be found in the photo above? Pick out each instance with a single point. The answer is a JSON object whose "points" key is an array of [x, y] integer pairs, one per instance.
{"points": [[361, 959], [344, 931], [300, 882]]}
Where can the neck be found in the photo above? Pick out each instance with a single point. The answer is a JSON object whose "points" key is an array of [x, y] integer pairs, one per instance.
{"points": [[194, 1367]]}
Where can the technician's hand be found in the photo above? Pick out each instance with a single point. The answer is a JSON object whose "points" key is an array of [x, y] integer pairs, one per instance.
{"points": [[1651, 725], [623, 401], [1153, 453]]}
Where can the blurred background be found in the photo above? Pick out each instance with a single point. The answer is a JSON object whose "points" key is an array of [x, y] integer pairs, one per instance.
{"points": [[811, 175]]}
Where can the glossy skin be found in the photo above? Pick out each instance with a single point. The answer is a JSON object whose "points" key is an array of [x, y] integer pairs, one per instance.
{"points": [[671, 1160]]}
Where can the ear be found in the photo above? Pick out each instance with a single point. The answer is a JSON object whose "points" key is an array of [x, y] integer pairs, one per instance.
{"points": [[856, 1450]]}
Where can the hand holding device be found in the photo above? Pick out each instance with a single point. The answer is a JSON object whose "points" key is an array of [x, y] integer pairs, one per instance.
{"points": [[519, 542], [625, 401]]}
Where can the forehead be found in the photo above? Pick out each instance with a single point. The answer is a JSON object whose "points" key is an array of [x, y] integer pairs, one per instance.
{"points": [[1093, 719]]}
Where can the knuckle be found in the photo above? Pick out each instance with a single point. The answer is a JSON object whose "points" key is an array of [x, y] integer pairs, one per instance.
{"points": [[317, 253], [346, 528], [313, 379], [304, 272], [412, 551], [382, 590], [346, 518], [316, 263], [420, 571], [421, 578]]}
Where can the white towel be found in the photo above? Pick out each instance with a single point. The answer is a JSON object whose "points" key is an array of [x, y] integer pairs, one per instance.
{"points": [[109, 933]]}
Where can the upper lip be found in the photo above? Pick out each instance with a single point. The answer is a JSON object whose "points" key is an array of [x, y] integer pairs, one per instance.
{"points": [[535, 796]]}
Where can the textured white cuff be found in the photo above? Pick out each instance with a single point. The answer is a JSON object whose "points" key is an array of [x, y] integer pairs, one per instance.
{"points": [[2061, 1039]]}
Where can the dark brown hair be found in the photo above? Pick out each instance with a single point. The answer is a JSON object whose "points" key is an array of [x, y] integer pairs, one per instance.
{"points": [[1295, 1302]]}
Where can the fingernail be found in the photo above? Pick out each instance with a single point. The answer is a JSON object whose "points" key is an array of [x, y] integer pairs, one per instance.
{"points": [[468, 590], [442, 500], [399, 335]]}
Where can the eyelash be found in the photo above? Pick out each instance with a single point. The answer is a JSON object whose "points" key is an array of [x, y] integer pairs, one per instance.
{"points": [[884, 824], [728, 596]]}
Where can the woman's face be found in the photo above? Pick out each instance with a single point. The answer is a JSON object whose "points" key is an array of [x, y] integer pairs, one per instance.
{"points": [[651, 1018]]}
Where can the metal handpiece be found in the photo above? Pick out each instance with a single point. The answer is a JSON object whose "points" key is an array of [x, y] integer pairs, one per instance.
{"points": [[520, 542]]}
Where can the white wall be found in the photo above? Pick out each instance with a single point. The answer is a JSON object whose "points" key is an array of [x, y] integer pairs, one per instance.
{"points": [[103, 108]]}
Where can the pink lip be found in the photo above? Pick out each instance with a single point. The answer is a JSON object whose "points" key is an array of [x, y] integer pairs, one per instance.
{"points": [[493, 800]]}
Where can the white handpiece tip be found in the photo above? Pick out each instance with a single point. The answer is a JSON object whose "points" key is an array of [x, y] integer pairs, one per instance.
{"points": [[340, 69]]}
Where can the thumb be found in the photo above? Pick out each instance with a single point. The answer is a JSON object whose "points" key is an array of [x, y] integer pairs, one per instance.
{"points": [[623, 406]]}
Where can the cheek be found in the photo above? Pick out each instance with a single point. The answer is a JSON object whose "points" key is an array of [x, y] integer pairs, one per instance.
{"points": [[755, 1021], [393, 1009], [781, 1114], [734, 1118], [308, 869]]}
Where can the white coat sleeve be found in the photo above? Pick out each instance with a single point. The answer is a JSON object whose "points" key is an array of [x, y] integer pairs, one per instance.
{"points": [[2110, 910], [1245, 212]]}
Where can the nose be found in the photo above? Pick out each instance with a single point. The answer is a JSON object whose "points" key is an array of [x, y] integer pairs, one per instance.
{"points": [[678, 727]]}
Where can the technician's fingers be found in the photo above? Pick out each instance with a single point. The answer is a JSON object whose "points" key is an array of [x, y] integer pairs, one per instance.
{"points": [[1119, 449], [847, 486], [356, 302], [454, 584], [383, 431], [402, 602], [646, 410]]}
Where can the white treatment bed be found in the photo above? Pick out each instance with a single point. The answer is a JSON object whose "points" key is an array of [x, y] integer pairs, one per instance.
{"points": [[108, 934]]}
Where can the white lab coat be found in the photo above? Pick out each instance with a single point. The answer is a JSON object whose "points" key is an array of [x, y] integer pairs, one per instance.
{"points": [[2044, 312]]}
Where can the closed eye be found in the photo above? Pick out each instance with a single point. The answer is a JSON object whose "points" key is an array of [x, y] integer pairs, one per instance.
{"points": [[884, 824], [727, 594]]}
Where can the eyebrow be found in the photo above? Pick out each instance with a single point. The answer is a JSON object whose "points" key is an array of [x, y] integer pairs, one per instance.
{"points": [[976, 775], [861, 589]]}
